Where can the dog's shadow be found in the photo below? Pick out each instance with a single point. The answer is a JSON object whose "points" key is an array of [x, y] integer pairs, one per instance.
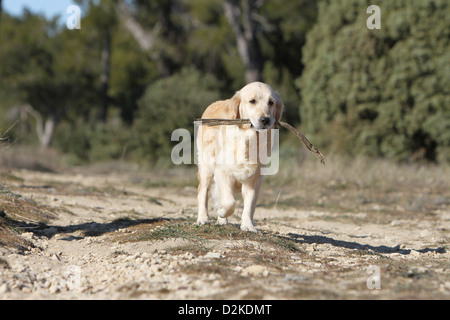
{"points": [[86, 229], [317, 239]]}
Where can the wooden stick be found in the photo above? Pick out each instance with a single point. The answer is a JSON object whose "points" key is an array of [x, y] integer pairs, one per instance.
{"points": [[219, 122], [308, 144]]}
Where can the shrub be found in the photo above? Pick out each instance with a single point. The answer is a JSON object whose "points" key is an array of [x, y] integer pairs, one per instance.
{"points": [[379, 92], [169, 104], [92, 141]]}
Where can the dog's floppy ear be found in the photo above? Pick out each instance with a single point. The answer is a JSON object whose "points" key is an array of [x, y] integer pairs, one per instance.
{"points": [[235, 106], [279, 108]]}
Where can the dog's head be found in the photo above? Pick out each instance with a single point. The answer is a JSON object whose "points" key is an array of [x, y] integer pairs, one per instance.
{"points": [[258, 102]]}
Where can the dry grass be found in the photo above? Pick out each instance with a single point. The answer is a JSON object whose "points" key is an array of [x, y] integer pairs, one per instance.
{"points": [[161, 230], [359, 184], [363, 173], [17, 215], [30, 157]]}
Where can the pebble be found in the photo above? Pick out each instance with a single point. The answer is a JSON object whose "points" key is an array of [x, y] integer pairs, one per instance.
{"points": [[28, 235], [189, 255], [256, 270], [425, 233], [213, 255], [395, 223], [295, 278], [4, 288]]}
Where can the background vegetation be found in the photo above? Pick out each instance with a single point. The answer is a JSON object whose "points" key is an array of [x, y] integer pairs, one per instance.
{"points": [[380, 92], [137, 70]]}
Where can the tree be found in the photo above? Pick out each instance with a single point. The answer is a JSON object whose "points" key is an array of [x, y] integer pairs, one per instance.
{"points": [[94, 82], [29, 73], [241, 16], [102, 21], [285, 24], [122, 67], [52, 73], [160, 28], [142, 36], [106, 21], [379, 92]]}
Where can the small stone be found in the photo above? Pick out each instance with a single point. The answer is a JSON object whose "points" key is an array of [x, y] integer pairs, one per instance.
{"points": [[155, 268], [425, 233], [55, 287], [295, 278], [4, 288], [395, 223], [256, 270], [213, 255], [146, 255], [212, 277], [28, 235], [189, 255], [55, 256]]}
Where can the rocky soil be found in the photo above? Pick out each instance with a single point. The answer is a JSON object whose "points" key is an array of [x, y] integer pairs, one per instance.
{"points": [[132, 237]]}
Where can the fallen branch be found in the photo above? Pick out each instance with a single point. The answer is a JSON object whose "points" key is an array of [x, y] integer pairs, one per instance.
{"points": [[219, 122]]}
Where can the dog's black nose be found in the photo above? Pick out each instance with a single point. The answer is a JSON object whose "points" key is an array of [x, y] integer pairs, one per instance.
{"points": [[264, 120]]}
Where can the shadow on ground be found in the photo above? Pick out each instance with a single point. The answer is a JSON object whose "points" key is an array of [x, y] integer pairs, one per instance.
{"points": [[87, 229], [92, 229], [357, 246]]}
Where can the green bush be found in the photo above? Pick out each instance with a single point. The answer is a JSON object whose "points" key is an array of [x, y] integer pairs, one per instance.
{"points": [[169, 104], [379, 92], [92, 141], [72, 139], [166, 105]]}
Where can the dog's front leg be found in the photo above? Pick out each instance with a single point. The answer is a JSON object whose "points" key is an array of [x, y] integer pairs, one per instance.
{"points": [[204, 182], [250, 191]]}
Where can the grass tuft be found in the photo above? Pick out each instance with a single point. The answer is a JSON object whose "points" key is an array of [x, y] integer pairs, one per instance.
{"points": [[185, 229]]}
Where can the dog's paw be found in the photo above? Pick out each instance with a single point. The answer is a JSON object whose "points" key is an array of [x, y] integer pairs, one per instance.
{"points": [[222, 221], [249, 228], [201, 222]]}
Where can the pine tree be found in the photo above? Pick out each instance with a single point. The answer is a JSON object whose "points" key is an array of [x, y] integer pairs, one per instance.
{"points": [[379, 92]]}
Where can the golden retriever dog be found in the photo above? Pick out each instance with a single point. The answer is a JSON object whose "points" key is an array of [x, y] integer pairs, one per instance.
{"points": [[227, 161]]}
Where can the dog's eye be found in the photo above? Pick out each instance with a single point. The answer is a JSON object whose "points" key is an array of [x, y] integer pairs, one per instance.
{"points": [[271, 102], [253, 101]]}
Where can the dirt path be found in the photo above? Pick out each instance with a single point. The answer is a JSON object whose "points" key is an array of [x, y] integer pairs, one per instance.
{"points": [[113, 238]]}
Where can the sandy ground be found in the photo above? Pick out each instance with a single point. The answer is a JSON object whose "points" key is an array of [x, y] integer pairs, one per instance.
{"points": [[116, 237]]}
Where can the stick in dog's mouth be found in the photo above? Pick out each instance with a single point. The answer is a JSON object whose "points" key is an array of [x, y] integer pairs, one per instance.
{"points": [[220, 122]]}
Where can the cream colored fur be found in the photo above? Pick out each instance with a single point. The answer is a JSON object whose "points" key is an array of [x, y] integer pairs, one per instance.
{"points": [[228, 160]]}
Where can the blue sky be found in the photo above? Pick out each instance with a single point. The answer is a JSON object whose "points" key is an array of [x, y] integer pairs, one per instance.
{"points": [[48, 7]]}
